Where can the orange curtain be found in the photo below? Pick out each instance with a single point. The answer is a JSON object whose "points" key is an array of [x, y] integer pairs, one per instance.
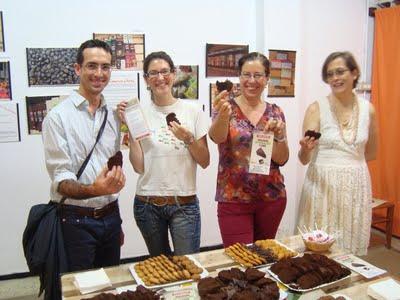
{"points": [[385, 170]]}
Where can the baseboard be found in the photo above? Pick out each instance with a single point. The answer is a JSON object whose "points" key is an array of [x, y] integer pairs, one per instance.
{"points": [[123, 261]]}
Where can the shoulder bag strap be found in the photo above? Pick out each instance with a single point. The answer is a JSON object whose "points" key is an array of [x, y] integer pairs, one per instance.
{"points": [[83, 166]]}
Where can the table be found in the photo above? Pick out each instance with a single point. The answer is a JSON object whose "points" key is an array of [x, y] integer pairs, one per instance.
{"points": [[354, 287]]}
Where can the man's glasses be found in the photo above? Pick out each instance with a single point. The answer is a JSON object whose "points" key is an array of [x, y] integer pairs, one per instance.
{"points": [[338, 72], [154, 73], [93, 67], [256, 76]]}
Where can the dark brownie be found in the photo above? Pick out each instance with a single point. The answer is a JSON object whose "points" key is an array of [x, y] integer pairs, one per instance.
{"points": [[115, 160]]}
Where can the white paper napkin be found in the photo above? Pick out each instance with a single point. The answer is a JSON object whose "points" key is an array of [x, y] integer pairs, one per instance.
{"points": [[92, 281]]}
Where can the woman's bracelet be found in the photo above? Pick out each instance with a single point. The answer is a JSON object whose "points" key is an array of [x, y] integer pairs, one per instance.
{"points": [[189, 140], [281, 140]]}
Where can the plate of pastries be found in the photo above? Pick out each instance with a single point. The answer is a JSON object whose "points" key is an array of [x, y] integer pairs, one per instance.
{"points": [[162, 271], [237, 284], [140, 293], [259, 254], [308, 272]]}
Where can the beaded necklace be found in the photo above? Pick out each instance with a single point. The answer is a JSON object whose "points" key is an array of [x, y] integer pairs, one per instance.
{"points": [[351, 126]]}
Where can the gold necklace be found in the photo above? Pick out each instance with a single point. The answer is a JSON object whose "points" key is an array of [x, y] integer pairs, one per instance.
{"points": [[351, 125]]}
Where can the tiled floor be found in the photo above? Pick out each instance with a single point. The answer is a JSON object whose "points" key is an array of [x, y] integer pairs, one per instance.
{"points": [[26, 288]]}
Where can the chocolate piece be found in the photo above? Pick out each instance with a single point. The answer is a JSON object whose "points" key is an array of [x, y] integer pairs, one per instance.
{"points": [[140, 293], [208, 285], [260, 152], [236, 284], [115, 160], [172, 117], [226, 85], [312, 133], [253, 274]]}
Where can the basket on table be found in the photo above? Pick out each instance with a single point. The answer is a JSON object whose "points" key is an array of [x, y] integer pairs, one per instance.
{"points": [[318, 240]]}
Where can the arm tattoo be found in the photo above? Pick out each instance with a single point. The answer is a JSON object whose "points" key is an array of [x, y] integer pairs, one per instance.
{"points": [[73, 189]]}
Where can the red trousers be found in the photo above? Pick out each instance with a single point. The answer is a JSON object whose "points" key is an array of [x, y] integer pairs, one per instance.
{"points": [[248, 222]]}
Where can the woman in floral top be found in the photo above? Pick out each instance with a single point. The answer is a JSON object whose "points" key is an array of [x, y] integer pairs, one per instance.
{"points": [[250, 205]]}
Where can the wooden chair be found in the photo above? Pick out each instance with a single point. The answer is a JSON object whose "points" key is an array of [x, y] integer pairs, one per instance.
{"points": [[378, 204]]}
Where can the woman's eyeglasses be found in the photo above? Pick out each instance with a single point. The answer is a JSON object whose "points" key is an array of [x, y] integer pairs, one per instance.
{"points": [[256, 76], [154, 73], [337, 72]]}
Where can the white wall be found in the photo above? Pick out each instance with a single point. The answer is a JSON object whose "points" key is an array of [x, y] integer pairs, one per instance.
{"points": [[182, 28]]}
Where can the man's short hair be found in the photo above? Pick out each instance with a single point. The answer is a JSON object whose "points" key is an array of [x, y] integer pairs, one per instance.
{"points": [[94, 43]]}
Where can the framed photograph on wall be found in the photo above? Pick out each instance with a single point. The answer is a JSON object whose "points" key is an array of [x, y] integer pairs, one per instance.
{"points": [[5, 81], [186, 84], [37, 108], [283, 68], [51, 66], [222, 60], [2, 45], [127, 49], [213, 92]]}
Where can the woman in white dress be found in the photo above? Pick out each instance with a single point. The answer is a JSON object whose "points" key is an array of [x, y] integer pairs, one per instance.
{"points": [[336, 192]]}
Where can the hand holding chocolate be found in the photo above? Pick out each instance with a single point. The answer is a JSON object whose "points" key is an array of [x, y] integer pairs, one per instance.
{"points": [[115, 160], [172, 117], [312, 133], [226, 85]]}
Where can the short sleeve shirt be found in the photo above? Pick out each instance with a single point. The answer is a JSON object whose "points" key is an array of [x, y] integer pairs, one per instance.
{"points": [[234, 182]]}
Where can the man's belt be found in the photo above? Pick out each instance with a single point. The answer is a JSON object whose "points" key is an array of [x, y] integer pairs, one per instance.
{"points": [[96, 213], [167, 200]]}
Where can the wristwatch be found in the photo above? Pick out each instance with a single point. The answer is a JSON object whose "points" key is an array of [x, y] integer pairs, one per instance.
{"points": [[189, 140]]}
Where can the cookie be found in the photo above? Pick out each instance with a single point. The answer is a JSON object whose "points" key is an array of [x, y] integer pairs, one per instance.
{"points": [[312, 133], [226, 85], [115, 160], [172, 117], [260, 152]]}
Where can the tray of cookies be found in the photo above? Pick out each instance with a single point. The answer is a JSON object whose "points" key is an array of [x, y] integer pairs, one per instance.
{"points": [[260, 254], [246, 255], [279, 250], [163, 271], [308, 272]]}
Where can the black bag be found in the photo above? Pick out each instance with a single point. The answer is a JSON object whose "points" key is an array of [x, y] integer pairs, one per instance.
{"points": [[44, 248], [43, 241]]}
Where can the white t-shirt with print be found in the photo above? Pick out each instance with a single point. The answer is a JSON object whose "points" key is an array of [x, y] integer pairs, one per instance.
{"points": [[169, 168]]}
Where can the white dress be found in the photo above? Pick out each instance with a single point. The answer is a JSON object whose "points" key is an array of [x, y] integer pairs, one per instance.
{"points": [[337, 188]]}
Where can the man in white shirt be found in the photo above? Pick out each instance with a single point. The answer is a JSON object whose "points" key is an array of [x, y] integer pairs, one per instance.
{"points": [[90, 216]]}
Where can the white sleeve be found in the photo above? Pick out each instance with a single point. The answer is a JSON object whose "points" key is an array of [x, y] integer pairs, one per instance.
{"points": [[56, 151]]}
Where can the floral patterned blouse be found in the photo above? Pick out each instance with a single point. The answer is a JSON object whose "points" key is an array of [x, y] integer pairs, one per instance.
{"points": [[234, 183]]}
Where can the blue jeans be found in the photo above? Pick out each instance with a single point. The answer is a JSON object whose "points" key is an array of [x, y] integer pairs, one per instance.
{"points": [[91, 243], [183, 222]]}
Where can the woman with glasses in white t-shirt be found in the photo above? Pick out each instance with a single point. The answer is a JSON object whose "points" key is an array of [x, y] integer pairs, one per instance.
{"points": [[165, 199]]}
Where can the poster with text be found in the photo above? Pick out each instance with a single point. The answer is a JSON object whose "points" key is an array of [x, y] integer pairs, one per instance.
{"points": [[5, 81], [9, 122], [186, 84], [222, 60], [127, 49], [51, 66], [283, 67]]}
